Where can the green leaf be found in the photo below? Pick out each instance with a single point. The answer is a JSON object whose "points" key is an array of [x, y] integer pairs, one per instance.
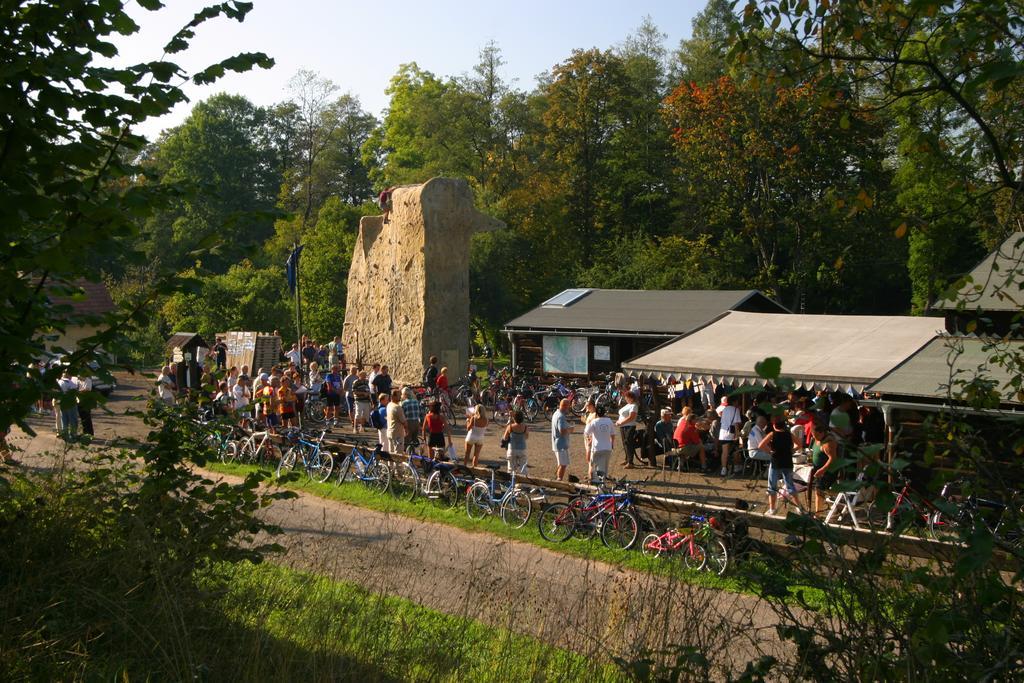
{"points": [[769, 368]]}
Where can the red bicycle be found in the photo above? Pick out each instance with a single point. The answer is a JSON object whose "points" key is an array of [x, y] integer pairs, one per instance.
{"points": [[698, 545]]}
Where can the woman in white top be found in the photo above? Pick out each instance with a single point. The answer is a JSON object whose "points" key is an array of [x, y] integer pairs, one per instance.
{"points": [[729, 421], [241, 395], [476, 425]]}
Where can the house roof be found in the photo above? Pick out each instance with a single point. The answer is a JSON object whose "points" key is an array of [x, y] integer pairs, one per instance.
{"points": [[667, 312], [94, 299], [834, 352], [183, 339], [946, 364], [996, 283]]}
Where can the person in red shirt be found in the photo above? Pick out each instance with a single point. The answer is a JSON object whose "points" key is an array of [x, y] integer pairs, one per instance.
{"points": [[688, 439]]}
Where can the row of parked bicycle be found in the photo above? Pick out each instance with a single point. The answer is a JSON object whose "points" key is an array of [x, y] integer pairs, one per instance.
{"points": [[610, 512]]}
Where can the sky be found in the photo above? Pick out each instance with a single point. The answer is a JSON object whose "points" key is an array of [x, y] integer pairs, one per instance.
{"points": [[360, 45]]}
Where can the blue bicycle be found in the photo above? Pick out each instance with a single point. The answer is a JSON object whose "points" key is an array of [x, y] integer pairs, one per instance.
{"points": [[430, 476], [512, 503], [316, 460], [372, 471]]}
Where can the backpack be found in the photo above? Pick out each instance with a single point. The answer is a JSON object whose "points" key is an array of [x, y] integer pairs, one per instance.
{"points": [[376, 419]]}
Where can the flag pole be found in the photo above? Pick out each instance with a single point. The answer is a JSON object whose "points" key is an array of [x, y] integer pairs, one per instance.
{"points": [[298, 297]]}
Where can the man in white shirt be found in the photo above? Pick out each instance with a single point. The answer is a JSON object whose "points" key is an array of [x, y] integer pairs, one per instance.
{"points": [[729, 420], [600, 433], [68, 407], [756, 436], [165, 385], [294, 356]]}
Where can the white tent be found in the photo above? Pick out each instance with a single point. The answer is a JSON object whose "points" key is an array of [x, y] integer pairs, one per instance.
{"points": [[832, 352]]}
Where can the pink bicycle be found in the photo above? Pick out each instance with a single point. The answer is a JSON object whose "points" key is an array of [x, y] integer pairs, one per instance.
{"points": [[698, 545]]}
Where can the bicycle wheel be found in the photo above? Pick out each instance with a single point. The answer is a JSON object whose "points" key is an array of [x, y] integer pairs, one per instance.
{"points": [[229, 453], [531, 408], [579, 403], [478, 501], [487, 398], [405, 482], [516, 508], [717, 556], [315, 411], [944, 527], [345, 470], [322, 468], [694, 556], [620, 530], [247, 451], [441, 486], [287, 461], [651, 545], [556, 522], [378, 476]]}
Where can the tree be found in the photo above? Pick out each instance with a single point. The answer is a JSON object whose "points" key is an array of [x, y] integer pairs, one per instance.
{"points": [[221, 150], [67, 177], [786, 190], [324, 266], [702, 58]]}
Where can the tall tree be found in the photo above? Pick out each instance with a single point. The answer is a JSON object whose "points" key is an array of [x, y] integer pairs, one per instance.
{"points": [[315, 123], [220, 149], [702, 58]]}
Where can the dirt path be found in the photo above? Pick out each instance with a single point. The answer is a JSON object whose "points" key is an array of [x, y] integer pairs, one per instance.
{"points": [[587, 605]]}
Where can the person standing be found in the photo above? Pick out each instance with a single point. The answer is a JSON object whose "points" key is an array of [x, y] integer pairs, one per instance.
{"points": [[361, 395], [600, 434], [165, 386], [436, 428], [729, 421], [396, 422], [824, 453], [286, 401], [560, 430], [348, 393], [430, 375], [476, 424], [294, 356], [220, 350], [515, 434], [413, 411], [334, 351], [627, 426], [379, 420], [382, 383], [308, 353], [84, 411], [68, 406], [779, 442], [332, 391]]}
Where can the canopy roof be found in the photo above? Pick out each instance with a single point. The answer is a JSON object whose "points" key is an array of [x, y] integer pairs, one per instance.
{"points": [[929, 372], [652, 312], [833, 352], [996, 282]]}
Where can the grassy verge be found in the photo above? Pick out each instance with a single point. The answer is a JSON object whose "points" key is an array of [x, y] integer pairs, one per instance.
{"points": [[592, 549], [299, 626]]}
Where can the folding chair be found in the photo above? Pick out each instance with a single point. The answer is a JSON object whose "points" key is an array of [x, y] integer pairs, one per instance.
{"points": [[847, 502]]}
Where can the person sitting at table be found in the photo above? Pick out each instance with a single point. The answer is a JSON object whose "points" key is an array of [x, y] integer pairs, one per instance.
{"points": [[687, 439], [663, 442]]}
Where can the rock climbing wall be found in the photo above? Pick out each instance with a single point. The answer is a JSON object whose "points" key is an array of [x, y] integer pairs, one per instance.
{"points": [[408, 286]]}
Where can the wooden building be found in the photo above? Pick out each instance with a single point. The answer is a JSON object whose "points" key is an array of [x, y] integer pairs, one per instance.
{"points": [[590, 332]]}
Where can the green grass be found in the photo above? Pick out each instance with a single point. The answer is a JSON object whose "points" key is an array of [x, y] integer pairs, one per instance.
{"points": [[320, 629], [592, 549]]}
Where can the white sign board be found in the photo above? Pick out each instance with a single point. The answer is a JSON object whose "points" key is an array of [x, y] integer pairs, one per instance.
{"points": [[565, 355], [602, 353]]}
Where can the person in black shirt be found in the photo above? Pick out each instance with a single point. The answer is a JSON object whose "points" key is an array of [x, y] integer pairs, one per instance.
{"points": [[382, 382], [221, 350], [430, 374], [779, 442]]}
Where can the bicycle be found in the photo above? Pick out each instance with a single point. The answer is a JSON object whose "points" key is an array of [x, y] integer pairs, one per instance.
{"points": [[697, 544], [973, 509], [610, 514], [315, 408], [910, 510], [259, 448], [437, 482], [513, 504], [316, 460], [373, 472]]}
